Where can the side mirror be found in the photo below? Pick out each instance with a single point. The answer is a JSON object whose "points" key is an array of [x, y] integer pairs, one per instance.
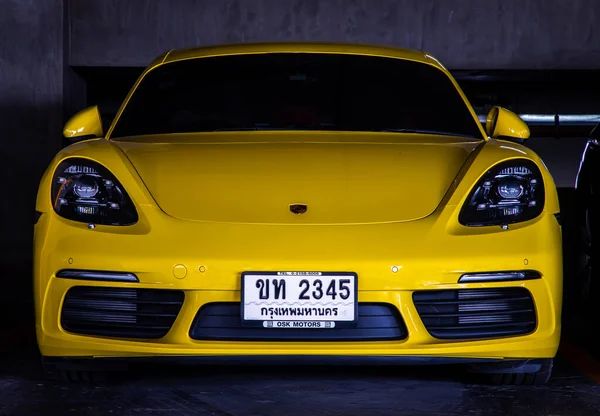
{"points": [[85, 124], [502, 123]]}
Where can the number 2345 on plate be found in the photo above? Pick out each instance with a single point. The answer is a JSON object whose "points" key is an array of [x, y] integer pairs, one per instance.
{"points": [[299, 296]]}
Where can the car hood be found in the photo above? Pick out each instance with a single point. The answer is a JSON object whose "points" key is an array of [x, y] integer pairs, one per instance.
{"points": [[254, 177]]}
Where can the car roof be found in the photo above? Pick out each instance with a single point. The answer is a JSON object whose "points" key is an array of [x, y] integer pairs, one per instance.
{"points": [[297, 47]]}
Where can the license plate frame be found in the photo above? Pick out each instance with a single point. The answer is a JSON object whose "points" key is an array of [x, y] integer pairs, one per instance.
{"points": [[299, 275]]}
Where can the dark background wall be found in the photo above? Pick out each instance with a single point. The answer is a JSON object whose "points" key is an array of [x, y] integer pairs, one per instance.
{"points": [[31, 114], [58, 55], [489, 34]]}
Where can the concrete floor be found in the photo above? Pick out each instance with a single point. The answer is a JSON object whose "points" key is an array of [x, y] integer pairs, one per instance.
{"points": [[290, 391]]}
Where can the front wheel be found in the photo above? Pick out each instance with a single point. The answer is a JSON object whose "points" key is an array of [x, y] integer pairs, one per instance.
{"points": [[516, 373], [85, 371], [586, 263]]}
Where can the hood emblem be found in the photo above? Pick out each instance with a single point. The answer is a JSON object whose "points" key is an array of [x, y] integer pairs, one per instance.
{"points": [[298, 208]]}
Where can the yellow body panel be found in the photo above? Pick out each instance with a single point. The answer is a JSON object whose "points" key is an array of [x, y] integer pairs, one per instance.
{"points": [[87, 122], [501, 122], [429, 249], [362, 169]]}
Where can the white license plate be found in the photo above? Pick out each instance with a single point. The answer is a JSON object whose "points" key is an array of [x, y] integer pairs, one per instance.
{"points": [[299, 300]]}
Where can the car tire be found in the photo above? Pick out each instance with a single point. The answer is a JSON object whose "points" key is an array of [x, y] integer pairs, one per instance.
{"points": [[82, 376], [66, 371], [586, 276], [586, 271], [514, 373]]}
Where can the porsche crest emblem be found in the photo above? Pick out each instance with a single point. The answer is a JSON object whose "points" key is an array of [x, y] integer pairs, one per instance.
{"points": [[298, 208]]}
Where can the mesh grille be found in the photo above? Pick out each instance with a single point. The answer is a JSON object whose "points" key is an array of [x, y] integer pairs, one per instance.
{"points": [[222, 321], [476, 313], [121, 313]]}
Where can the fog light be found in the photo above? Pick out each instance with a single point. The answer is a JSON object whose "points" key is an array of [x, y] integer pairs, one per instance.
{"points": [[499, 276]]}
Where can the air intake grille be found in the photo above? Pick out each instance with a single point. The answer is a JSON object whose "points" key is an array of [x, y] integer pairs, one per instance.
{"points": [[476, 313], [222, 321], [120, 313]]}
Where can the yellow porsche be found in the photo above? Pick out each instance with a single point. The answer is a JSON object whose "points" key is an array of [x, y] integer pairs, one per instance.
{"points": [[313, 202]]}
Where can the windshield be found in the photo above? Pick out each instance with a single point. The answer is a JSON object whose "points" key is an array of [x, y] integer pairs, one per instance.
{"points": [[296, 91]]}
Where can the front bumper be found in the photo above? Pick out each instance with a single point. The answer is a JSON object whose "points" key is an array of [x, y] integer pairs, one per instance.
{"points": [[205, 260], [54, 341]]}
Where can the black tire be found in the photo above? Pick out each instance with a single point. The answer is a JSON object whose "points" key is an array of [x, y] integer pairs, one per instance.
{"points": [[81, 377], [71, 372], [586, 273], [515, 374], [585, 269]]}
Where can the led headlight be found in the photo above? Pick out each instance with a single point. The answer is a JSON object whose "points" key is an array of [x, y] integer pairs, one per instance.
{"points": [[83, 190], [509, 192]]}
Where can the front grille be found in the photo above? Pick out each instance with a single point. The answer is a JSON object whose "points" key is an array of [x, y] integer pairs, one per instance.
{"points": [[476, 313], [121, 313], [222, 321]]}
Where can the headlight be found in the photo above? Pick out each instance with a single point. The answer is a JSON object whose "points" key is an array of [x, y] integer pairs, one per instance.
{"points": [[509, 192], [83, 190]]}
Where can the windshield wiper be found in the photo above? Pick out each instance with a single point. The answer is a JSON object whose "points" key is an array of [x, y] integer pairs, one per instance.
{"points": [[410, 131], [265, 127], [258, 126], [419, 131], [236, 129]]}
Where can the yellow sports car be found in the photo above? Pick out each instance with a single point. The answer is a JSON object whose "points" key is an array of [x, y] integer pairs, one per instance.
{"points": [[317, 202]]}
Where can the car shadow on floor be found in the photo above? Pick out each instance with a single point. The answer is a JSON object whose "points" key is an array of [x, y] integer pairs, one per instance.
{"points": [[24, 363], [289, 390]]}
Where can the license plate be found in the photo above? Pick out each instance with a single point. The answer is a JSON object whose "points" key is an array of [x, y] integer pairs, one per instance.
{"points": [[299, 300]]}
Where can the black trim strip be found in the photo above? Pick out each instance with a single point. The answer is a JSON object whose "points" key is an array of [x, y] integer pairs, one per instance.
{"points": [[488, 277], [102, 276], [271, 360], [221, 321]]}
